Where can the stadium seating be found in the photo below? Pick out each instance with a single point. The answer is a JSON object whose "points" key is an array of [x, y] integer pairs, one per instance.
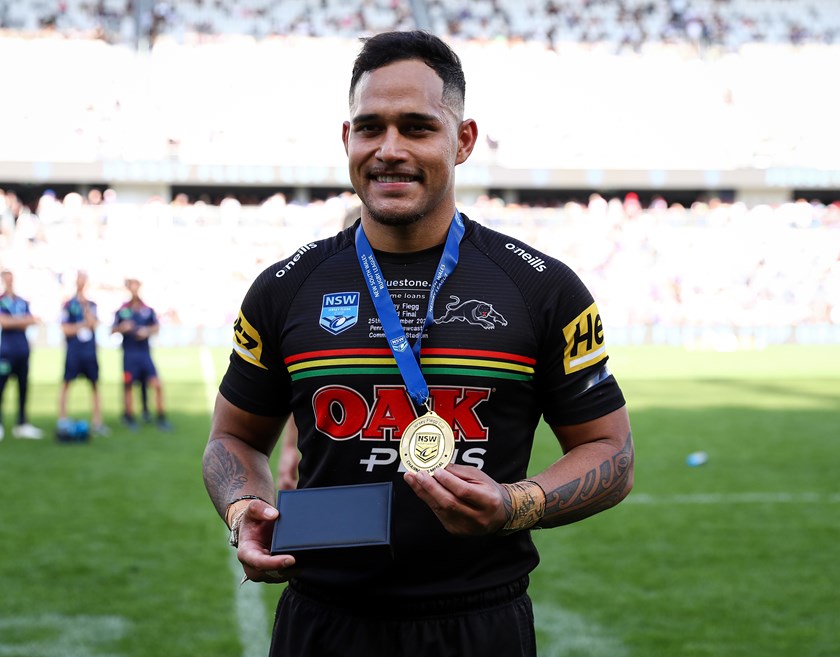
{"points": [[635, 23], [629, 23]]}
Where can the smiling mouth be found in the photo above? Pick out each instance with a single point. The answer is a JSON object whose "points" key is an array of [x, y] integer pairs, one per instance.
{"points": [[394, 178]]}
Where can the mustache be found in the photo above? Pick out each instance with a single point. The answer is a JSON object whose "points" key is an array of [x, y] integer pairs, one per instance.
{"points": [[376, 173]]}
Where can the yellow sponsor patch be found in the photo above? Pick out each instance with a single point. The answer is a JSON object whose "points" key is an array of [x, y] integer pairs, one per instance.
{"points": [[247, 343], [585, 344]]}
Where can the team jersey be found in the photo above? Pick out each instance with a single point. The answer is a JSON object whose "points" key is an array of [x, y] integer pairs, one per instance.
{"points": [[13, 341], [516, 337], [142, 315], [73, 312]]}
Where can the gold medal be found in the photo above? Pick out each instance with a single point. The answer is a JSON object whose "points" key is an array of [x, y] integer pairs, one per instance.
{"points": [[427, 444]]}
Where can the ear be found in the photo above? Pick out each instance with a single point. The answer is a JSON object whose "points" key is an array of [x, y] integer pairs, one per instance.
{"points": [[345, 135], [467, 136]]}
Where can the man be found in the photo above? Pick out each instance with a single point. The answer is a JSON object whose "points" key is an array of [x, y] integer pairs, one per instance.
{"points": [[137, 322], [516, 337], [15, 318], [78, 322]]}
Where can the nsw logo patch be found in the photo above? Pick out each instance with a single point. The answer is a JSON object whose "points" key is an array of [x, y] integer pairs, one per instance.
{"points": [[339, 311]]}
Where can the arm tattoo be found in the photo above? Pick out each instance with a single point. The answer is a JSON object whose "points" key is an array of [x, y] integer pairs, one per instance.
{"points": [[224, 475], [600, 489], [525, 506], [507, 502]]}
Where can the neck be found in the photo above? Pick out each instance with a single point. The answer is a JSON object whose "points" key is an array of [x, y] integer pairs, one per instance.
{"points": [[423, 234]]}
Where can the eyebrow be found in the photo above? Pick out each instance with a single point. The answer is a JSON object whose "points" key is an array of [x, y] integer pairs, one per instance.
{"points": [[408, 116]]}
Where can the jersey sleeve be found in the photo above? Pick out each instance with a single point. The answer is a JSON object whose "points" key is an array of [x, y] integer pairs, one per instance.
{"points": [[257, 380], [575, 384]]}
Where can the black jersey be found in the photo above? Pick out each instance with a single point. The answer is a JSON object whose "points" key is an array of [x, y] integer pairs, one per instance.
{"points": [[516, 337]]}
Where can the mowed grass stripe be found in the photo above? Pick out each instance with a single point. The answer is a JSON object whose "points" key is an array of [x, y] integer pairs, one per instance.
{"points": [[736, 498]]}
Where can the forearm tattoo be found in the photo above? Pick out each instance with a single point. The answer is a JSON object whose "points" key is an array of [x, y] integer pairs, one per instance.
{"points": [[224, 475], [600, 489], [524, 507]]}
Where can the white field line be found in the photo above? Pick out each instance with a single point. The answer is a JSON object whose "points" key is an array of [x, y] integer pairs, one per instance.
{"points": [[251, 619], [61, 635], [565, 633], [735, 498]]}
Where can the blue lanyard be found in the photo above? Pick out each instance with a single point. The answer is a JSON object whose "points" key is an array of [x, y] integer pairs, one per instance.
{"points": [[408, 360]]}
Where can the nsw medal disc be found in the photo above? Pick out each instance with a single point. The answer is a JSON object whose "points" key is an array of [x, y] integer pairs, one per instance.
{"points": [[427, 444]]}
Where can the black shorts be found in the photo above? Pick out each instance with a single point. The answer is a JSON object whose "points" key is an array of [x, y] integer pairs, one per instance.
{"points": [[497, 623], [138, 366], [14, 364], [81, 364]]}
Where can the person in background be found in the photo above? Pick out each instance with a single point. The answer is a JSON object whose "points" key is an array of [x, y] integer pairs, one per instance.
{"points": [[79, 320], [137, 322], [15, 318], [516, 338], [287, 464]]}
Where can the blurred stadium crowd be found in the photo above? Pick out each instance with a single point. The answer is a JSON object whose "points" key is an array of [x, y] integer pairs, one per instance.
{"points": [[712, 275], [711, 85], [623, 23]]}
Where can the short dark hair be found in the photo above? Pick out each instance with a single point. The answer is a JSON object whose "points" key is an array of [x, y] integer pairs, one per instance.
{"points": [[389, 47]]}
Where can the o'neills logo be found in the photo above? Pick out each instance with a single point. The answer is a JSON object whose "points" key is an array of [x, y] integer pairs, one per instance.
{"points": [[343, 413], [535, 261], [293, 261]]}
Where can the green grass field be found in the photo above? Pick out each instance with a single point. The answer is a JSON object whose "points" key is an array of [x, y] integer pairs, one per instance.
{"points": [[112, 549]]}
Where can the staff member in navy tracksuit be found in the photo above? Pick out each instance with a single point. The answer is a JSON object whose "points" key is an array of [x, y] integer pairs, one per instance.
{"points": [[15, 317], [79, 320], [137, 322]]}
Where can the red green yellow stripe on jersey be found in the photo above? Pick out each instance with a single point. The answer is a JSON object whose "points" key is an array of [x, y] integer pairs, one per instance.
{"points": [[457, 362]]}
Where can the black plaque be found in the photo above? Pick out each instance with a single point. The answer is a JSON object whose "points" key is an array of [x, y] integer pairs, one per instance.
{"points": [[334, 526]]}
